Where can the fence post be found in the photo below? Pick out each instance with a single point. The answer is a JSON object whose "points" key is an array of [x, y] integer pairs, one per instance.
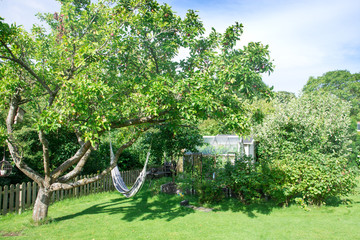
{"points": [[5, 200], [87, 188], [104, 184], [57, 195], [11, 202], [22, 201], [76, 189], [1, 198], [17, 198], [28, 194], [34, 193]]}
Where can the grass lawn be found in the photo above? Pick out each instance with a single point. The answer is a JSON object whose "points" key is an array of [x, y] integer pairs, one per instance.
{"points": [[112, 216]]}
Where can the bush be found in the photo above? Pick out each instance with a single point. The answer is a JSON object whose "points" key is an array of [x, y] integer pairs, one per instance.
{"points": [[312, 176], [210, 192], [242, 178], [303, 150]]}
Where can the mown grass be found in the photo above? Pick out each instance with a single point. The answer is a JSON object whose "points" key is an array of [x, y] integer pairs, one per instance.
{"points": [[111, 216]]}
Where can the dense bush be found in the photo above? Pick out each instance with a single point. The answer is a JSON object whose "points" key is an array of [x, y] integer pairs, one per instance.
{"points": [[243, 178], [311, 175], [303, 150], [210, 192]]}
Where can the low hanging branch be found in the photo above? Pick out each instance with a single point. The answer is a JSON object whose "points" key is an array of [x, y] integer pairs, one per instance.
{"points": [[77, 170], [71, 161]]}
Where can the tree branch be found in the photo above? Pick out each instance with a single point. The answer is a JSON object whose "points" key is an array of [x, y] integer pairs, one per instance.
{"points": [[46, 160], [26, 67], [76, 171], [153, 54], [137, 121], [14, 150], [71, 161]]}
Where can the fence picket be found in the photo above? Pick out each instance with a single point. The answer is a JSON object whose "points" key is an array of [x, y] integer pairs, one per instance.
{"points": [[22, 201], [33, 193], [17, 198], [5, 200], [11, 199], [1, 196], [28, 194]]}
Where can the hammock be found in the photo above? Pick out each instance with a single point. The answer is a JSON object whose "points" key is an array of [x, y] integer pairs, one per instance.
{"points": [[119, 182]]}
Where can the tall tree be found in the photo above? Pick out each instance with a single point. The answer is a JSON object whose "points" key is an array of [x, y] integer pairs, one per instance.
{"points": [[111, 65], [341, 83], [346, 86]]}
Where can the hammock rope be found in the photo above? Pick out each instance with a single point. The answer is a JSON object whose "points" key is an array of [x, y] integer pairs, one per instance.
{"points": [[118, 181]]}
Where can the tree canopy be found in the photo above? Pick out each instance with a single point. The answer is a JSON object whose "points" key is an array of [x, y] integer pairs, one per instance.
{"points": [[112, 65], [341, 83]]}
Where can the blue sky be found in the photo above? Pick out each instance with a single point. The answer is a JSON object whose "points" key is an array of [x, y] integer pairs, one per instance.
{"points": [[306, 37]]}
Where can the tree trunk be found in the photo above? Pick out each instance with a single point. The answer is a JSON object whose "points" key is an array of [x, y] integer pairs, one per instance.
{"points": [[41, 204]]}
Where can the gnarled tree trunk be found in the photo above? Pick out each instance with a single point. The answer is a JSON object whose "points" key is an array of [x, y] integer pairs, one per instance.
{"points": [[42, 204]]}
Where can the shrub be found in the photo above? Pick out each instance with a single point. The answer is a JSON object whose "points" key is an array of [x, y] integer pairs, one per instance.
{"points": [[312, 176], [210, 192], [243, 179], [303, 150]]}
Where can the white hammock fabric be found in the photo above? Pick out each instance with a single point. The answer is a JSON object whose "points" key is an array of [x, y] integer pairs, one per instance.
{"points": [[119, 182]]}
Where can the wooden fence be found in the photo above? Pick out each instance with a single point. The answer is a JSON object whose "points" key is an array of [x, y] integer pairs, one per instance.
{"points": [[17, 198]]}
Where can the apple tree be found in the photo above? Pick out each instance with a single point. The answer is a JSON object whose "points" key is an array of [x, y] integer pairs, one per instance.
{"points": [[97, 67]]}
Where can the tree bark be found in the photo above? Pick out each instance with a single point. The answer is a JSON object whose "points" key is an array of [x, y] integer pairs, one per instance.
{"points": [[42, 203]]}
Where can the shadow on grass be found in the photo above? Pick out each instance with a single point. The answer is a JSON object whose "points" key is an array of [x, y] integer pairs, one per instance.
{"points": [[142, 207], [251, 210]]}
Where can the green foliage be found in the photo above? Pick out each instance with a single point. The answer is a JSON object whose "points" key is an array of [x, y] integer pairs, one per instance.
{"points": [[319, 122], [284, 97], [312, 176], [346, 86], [303, 154], [166, 142], [303, 150], [341, 83], [155, 185], [243, 178], [210, 192], [210, 127]]}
